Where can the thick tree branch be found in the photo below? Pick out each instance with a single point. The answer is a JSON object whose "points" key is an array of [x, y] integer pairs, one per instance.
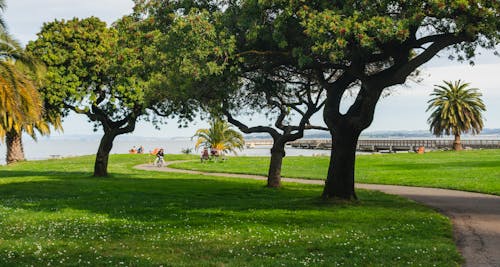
{"points": [[314, 127], [432, 39], [398, 73], [102, 117], [244, 128], [131, 122], [101, 95], [92, 115], [297, 109], [334, 92]]}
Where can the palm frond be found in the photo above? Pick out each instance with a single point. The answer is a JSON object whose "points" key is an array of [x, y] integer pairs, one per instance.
{"points": [[219, 136], [21, 107], [455, 108]]}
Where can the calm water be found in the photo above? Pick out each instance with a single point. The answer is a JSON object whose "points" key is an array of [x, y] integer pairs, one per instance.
{"points": [[46, 147]]}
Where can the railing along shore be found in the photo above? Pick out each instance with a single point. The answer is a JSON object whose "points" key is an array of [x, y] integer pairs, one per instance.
{"points": [[387, 144]]}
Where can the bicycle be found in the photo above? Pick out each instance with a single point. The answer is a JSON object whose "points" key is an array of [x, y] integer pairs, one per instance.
{"points": [[159, 162]]}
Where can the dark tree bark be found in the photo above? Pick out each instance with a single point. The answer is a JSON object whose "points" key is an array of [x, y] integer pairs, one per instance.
{"points": [[274, 173], [346, 129], [102, 156], [111, 130], [15, 150], [340, 179]]}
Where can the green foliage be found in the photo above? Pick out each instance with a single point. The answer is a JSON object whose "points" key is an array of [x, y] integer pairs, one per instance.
{"points": [[86, 66], [20, 104], [342, 30], [96, 71], [185, 51], [357, 35], [219, 136], [456, 108], [53, 212], [21, 107], [476, 170]]}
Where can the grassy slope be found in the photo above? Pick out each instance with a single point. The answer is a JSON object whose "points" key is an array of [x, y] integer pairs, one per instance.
{"points": [[54, 212], [477, 170]]}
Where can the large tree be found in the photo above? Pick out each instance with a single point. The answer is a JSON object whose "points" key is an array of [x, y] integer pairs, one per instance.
{"points": [[371, 45], [243, 87], [283, 96], [92, 71], [139, 68], [455, 109]]}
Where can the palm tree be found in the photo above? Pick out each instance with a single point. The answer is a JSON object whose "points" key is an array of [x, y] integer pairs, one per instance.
{"points": [[456, 109], [219, 136], [21, 107]]}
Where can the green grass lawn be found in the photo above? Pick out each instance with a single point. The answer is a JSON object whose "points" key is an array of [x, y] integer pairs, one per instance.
{"points": [[477, 170], [54, 213]]}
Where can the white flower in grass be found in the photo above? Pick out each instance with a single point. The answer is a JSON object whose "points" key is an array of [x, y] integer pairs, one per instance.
{"points": [[38, 249]]}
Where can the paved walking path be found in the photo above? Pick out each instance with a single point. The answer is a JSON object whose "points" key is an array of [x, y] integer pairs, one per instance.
{"points": [[476, 217]]}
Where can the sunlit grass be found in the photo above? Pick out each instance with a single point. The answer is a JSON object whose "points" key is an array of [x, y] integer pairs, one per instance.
{"points": [[477, 170], [55, 213]]}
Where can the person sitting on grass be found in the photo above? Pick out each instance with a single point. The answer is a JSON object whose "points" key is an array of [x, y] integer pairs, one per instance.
{"points": [[214, 152], [204, 155]]}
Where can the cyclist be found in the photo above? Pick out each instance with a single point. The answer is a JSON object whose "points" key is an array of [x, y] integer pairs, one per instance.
{"points": [[159, 158]]}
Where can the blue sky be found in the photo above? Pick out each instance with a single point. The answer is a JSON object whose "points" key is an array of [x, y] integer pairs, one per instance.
{"points": [[403, 110]]}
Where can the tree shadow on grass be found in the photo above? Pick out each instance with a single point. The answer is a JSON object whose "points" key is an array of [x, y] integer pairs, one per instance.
{"points": [[73, 257], [45, 174], [168, 199], [137, 210]]}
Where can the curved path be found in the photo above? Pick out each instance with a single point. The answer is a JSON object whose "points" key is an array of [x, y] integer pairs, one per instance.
{"points": [[475, 217]]}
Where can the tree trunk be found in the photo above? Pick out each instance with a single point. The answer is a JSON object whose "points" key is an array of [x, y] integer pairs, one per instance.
{"points": [[340, 180], [274, 174], [457, 145], [345, 130], [15, 151], [101, 160]]}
